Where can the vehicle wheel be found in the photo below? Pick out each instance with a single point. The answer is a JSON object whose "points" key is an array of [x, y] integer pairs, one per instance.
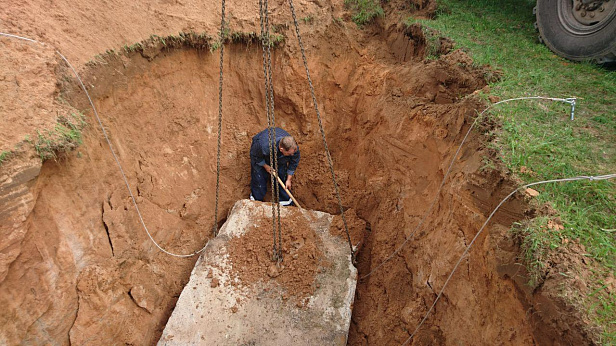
{"points": [[580, 30]]}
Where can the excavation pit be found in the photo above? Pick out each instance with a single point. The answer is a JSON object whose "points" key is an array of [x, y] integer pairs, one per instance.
{"points": [[77, 266], [392, 127], [223, 304]]}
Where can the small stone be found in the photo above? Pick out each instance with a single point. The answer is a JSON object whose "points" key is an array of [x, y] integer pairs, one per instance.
{"points": [[531, 192], [273, 271], [234, 309], [214, 283]]}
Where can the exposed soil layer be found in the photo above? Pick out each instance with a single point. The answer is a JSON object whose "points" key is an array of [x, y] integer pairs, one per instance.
{"points": [[77, 266]]}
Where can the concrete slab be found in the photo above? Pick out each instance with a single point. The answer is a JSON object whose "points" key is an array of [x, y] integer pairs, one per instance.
{"points": [[221, 305]]}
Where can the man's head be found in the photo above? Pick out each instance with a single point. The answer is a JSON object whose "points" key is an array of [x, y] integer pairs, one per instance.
{"points": [[288, 146]]}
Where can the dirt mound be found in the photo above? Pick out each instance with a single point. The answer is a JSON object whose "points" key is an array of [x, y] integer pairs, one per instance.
{"points": [[251, 256], [77, 265]]}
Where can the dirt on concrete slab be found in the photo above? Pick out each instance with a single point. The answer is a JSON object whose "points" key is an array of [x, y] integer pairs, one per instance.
{"points": [[252, 255], [305, 299]]}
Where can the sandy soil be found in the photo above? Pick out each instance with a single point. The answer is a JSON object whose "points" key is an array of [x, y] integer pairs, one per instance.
{"points": [[251, 256], [83, 271]]}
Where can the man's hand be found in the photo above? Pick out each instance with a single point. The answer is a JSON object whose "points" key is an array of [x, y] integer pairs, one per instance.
{"points": [[268, 168], [288, 182]]}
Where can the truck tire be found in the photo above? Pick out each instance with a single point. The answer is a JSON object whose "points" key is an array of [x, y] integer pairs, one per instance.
{"points": [[578, 31]]}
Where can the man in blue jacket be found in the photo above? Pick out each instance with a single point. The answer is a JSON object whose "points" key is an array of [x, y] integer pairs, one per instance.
{"points": [[284, 146]]}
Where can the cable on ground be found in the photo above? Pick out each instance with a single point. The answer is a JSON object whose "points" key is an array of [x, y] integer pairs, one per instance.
{"points": [[583, 177]]}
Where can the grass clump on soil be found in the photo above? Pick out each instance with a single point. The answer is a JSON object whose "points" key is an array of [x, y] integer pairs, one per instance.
{"points": [[364, 11], [182, 39], [65, 136], [535, 248], [536, 139], [200, 41], [4, 156], [433, 43]]}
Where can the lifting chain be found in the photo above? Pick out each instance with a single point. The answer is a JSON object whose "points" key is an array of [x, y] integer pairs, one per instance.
{"points": [[316, 108], [271, 122], [269, 104], [222, 49]]}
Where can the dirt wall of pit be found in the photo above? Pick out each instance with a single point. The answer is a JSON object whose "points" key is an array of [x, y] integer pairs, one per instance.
{"points": [[80, 268]]}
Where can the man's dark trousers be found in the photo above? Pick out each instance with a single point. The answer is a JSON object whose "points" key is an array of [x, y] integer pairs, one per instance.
{"points": [[261, 180]]}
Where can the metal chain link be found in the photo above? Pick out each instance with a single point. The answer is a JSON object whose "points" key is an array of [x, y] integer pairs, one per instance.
{"points": [[271, 134], [269, 108], [316, 108], [276, 191], [265, 74], [222, 49]]}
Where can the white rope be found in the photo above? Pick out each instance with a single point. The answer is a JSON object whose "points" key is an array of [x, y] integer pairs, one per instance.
{"points": [[591, 178], [568, 100], [112, 152], [21, 38]]}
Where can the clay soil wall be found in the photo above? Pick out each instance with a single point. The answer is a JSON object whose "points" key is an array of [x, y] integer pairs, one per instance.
{"points": [[78, 267]]}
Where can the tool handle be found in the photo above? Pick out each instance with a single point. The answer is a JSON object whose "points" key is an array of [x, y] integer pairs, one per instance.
{"points": [[287, 191]]}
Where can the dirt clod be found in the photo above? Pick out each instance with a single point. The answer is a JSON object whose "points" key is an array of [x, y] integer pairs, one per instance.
{"points": [[531, 192], [215, 282], [272, 271]]}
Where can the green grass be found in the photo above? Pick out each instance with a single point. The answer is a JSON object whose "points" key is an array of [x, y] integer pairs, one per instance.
{"points": [[433, 43], [535, 248], [537, 141], [65, 136], [4, 156], [364, 11], [308, 19]]}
